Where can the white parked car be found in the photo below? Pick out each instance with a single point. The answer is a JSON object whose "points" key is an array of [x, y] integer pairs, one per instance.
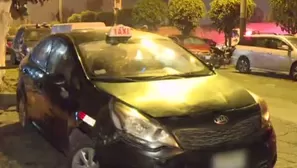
{"points": [[267, 52]]}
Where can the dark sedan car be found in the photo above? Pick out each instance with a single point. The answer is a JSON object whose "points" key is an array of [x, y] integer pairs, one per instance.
{"points": [[118, 97], [26, 38]]}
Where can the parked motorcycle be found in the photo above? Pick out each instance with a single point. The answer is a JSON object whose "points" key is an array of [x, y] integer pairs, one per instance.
{"points": [[221, 56]]}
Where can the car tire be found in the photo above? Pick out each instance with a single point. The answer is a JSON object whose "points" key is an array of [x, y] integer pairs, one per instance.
{"points": [[293, 72], [243, 65], [24, 119], [83, 156], [82, 151]]}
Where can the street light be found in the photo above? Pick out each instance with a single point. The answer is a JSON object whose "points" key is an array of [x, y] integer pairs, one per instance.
{"points": [[243, 15]]}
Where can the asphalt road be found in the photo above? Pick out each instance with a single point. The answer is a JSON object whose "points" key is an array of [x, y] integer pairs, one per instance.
{"points": [[20, 149], [280, 94]]}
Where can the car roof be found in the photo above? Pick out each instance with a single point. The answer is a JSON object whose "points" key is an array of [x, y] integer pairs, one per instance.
{"points": [[269, 35], [180, 36], [105, 30]]}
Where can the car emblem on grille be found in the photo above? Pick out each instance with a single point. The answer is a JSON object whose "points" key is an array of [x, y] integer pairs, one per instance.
{"points": [[222, 119]]}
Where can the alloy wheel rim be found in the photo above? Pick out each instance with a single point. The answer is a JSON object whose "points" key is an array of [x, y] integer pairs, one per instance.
{"points": [[22, 113], [84, 158], [243, 66]]}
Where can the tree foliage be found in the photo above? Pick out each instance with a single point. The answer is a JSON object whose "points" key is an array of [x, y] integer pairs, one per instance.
{"points": [[225, 14], [186, 14], [76, 17], [88, 16], [258, 15], [285, 14], [150, 12], [19, 7]]}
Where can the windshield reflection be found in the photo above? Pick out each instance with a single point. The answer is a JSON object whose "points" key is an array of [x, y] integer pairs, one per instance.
{"points": [[139, 58]]}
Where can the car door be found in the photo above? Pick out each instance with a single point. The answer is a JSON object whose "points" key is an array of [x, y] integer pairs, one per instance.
{"points": [[60, 90], [258, 52], [36, 71], [277, 58]]}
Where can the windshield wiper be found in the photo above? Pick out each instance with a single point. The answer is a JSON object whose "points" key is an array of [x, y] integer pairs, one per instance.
{"points": [[196, 74], [114, 79], [174, 76]]}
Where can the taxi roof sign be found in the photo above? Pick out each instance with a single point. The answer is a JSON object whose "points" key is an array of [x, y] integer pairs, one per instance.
{"points": [[120, 31], [69, 27]]}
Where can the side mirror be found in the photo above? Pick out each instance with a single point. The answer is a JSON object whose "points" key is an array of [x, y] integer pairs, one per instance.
{"points": [[57, 79], [210, 66]]}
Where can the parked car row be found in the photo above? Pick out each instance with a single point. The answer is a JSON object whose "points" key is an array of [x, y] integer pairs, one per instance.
{"points": [[267, 52]]}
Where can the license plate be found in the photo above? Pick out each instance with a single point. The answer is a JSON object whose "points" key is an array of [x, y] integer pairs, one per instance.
{"points": [[232, 159], [207, 57]]}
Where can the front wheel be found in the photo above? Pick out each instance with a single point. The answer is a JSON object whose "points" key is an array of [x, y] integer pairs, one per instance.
{"points": [[243, 65], [294, 72], [83, 157]]}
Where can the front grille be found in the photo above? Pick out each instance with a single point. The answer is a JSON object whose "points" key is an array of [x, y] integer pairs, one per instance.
{"points": [[197, 138]]}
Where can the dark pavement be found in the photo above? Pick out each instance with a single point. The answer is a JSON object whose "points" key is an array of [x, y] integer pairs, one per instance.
{"points": [[281, 95]]}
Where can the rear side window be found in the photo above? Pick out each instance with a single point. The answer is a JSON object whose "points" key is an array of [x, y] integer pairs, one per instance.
{"points": [[247, 41]]}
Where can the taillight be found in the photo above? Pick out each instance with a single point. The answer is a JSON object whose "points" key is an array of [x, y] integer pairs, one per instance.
{"points": [[85, 118], [9, 43]]}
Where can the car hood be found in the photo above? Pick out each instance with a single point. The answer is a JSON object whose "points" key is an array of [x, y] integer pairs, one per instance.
{"points": [[180, 97]]}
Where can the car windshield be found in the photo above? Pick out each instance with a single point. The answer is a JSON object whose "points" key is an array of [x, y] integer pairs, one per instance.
{"points": [[292, 40], [139, 58], [36, 34]]}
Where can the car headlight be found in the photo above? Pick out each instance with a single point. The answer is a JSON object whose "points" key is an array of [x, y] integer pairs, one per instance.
{"points": [[264, 110], [135, 125]]}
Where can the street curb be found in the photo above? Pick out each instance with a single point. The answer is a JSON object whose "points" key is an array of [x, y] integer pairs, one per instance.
{"points": [[7, 100]]}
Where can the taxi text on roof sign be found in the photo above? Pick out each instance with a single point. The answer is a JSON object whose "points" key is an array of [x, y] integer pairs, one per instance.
{"points": [[120, 31]]}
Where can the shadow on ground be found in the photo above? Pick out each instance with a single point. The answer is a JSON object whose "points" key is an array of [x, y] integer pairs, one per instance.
{"points": [[26, 149]]}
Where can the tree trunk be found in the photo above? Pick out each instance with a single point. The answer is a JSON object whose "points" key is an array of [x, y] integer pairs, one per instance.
{"points": [[5, 20], [226, 39]]}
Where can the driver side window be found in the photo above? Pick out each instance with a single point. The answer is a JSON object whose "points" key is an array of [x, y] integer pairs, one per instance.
{"points": [[274, 43], [60, 62]]}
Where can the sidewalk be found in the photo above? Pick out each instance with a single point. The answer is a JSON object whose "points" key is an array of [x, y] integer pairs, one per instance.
{"points": [[286, 133]]}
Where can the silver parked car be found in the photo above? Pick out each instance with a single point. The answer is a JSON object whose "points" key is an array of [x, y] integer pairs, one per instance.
{"points": [[267, 52]]}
